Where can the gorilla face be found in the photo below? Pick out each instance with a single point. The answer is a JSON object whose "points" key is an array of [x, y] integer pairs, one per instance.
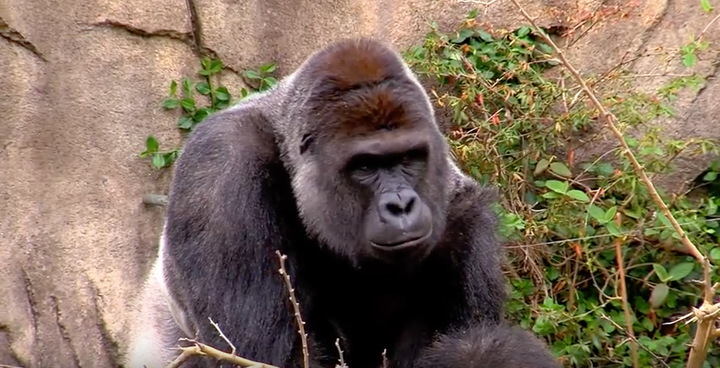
{"points": [[372, 178], [396, 217], [368, 162]]}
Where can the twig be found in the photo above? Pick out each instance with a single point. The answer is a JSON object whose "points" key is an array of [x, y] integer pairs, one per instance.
{"points": [[201, 349], [706, 323], [155, 199], [296, 307], [217, 328], [340, 352], [623, 295], [707, 27]]}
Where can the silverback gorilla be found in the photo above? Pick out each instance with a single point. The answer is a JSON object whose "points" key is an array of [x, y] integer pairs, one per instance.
{"points": [[343, 168]]}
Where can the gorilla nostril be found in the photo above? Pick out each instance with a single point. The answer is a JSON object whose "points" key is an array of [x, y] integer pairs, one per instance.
{"points": [[394, 209], [410, 205]]}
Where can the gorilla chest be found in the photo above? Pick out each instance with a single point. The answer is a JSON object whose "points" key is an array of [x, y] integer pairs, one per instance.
{"points": [[366, 321]]}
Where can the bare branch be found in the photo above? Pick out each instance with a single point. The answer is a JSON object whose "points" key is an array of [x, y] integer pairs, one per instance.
{"points": [[201, 349], [217, 328], [340, 352], [296, 307], [155, 199], [626, 306]]}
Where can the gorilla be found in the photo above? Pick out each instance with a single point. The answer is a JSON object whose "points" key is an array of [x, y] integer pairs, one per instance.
{"points": [[391, 247]]}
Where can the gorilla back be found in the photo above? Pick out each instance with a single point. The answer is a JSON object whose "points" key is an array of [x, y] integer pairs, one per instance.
{"points": [[390, 246]]}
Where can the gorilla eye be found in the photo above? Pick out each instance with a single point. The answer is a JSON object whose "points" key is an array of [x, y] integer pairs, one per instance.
{"points": [[363, 163], [414, 156]]}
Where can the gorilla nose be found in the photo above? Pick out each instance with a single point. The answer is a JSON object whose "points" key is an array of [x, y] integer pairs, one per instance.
{"points": [[400, 209], [404, 221]]}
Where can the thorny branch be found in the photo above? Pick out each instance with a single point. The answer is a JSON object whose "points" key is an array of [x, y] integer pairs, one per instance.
{"points": [[296, 307], [200, 349], [704, 314]]}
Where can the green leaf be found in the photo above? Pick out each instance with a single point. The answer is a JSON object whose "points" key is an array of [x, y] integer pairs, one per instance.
{"points": [[523, 31], [613, 229], [188, 104], [158, 160], [605, 169], [222, 93], [541, 166], [270, 82], [551, 195], [462, 35], [710, 176], [705, 4], [171, 103], [151, 144], [187, 85], [661, 272], [658, 295], [186, 122], [560, 169], [579, 195], [681, 270], [610, 214], [472, 14], [173, 88], [205, 62], [689, 59], [216, 66], [201, 114], [203, 88], [268, 68], [597, 213], [715, 254], [487, 37], [557, 186], [251, 74], [545, 48], [664, 220]]}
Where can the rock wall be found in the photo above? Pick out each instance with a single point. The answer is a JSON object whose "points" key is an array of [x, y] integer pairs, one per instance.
{"points": [[81, 85]]}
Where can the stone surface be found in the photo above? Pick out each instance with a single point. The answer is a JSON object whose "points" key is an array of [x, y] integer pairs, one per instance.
{"points": [[82, 85]]}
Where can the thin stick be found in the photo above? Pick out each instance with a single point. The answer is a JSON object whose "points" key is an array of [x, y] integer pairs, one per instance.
{"points": [[707, 27], [201, 349], [155, 199], [626, 306], [296, 307], [217, 328], [340, 352]]}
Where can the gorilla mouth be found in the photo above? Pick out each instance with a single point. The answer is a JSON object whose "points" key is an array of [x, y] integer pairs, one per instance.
{"points": [[405, 244]]}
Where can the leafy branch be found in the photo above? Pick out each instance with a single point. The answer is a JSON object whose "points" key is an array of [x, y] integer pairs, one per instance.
{"points": [[708, 312]]}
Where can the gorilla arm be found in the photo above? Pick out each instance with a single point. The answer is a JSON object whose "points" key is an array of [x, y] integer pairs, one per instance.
{"points": [[223, 227], [492, 346], [480, 338]]}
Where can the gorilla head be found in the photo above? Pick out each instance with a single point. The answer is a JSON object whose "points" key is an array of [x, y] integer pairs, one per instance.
{"points": [[367, 158]]}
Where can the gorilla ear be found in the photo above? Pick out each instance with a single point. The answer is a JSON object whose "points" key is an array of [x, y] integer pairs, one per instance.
{"points": [[306, 141]]}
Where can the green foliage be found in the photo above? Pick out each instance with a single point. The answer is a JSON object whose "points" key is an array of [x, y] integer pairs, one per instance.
{"points": [[193, 111], [514, 127]]}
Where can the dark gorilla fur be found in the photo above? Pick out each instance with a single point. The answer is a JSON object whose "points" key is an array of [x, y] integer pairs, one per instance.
{"points": [[322, 168]]}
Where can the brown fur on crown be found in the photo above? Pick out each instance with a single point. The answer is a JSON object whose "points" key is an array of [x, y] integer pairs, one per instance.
{"points": [[354, 63], [360, 86]]}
